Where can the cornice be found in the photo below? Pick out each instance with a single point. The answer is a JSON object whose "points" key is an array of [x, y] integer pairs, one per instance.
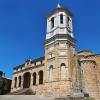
{"points": [[60, 36], [28, 68]]}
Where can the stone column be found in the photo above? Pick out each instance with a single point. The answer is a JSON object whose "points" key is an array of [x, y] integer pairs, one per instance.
{"points": [[22, 79], [17, 82], [37, 78], [31, 80], [12, 85]]}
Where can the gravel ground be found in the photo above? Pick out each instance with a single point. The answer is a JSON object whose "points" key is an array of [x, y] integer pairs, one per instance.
{"points": [[23, 97]]}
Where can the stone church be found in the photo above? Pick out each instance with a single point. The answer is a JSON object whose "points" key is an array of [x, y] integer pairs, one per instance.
{"points": [[62, 71]]}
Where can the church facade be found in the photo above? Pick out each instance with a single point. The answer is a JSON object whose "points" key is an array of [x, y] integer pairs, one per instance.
{"points": [[63, 71]]}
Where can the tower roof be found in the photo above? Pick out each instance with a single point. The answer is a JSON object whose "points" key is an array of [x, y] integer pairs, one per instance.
{"points": [[58, 9]]}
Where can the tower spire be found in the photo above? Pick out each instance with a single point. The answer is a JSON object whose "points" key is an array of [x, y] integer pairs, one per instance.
{"points": [[58, 5]]}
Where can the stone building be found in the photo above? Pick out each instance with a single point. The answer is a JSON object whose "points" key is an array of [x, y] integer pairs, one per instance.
{"points": [[62, 72]]}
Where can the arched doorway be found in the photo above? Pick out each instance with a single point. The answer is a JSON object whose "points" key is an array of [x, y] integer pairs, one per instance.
{"points": [[19, 81], [34, 78], [41, 77], [15, 85], [27, 78]]}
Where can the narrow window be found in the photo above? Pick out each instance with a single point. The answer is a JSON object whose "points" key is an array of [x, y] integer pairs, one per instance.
{"points": [[35, 63], [41, 62], [68, 18], [51, 72], [61, 19], [52, 22], [63, 71]]}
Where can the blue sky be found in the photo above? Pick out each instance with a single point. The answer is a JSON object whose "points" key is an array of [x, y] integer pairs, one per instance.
{"points": [[23, 28]]}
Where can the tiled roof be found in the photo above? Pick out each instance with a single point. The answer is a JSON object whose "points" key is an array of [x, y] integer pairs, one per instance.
{"points": [[85, 51]]}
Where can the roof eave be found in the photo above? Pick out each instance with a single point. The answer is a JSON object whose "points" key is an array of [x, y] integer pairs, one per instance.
{"points": [[60, 9]]}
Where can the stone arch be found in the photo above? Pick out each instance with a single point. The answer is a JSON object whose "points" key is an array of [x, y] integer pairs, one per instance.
{"points": [[15, 82], [51, 73], [34, 78], [20, 81], [63, 71], [26, 81], [40, 77]]}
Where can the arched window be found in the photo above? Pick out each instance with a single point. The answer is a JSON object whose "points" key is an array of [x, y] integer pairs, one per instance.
{"points": [[52, 22], [51, 72], [34, 78], [63, 71], [61, 18], [15, 85], [41, 77], [19, 81]]}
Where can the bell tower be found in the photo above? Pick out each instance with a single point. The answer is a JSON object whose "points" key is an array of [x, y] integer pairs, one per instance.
{"points": [[59, 50], [59, 22]]}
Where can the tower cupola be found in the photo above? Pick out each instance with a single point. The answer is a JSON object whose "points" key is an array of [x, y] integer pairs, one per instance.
{"points": [[59, 22]]}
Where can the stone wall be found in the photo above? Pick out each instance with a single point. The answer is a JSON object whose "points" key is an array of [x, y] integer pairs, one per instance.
{"points": [[89, 78]]}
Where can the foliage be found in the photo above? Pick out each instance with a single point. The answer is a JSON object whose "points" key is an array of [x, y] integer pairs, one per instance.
{"points": [[3, 87]]}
